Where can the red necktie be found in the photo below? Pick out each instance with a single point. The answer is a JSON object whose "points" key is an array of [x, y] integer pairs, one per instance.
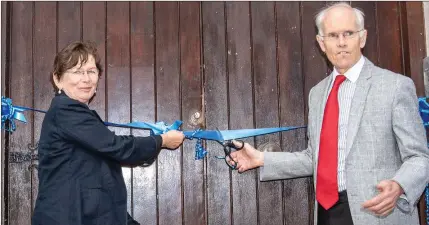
{"points": [[327, 184]]}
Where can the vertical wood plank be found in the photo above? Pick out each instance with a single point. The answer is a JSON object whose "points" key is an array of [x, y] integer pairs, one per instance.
{"points": [[216, 100], [21, 80], [389, 35], [5, 63], [192, 114], [168, 109], [44, 51], [118, 74], [413, 39], [370, 50], [240, 86], [69, 23], [94, 29], [143, 105], [314, 63], [266, 112], [295, 192]]}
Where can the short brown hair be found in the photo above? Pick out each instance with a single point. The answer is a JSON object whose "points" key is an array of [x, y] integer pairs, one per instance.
{"points": [[69, 57]]}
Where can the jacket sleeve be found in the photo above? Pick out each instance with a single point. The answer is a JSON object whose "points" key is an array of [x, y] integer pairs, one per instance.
{"points": [[78, 124], [413, 175]]}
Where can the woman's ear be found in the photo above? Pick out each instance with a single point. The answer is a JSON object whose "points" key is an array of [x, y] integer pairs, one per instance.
{"points": [[56, 80]]}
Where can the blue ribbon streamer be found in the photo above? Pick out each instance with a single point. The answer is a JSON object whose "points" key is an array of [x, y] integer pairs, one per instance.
{"points": [[11, 113]]}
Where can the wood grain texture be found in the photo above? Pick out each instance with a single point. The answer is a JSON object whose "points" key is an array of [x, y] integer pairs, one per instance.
{"points": [[118, 75], [389, 37], [291, 101], [21, 83], [216, 100], [44, 51], [264, 57], [369, 9], [240, 89], [143, 105], [192, 111], [69, 23], [168, 109]]}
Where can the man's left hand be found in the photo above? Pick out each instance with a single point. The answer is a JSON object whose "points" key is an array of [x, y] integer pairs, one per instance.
{"points": [[385, 201]]}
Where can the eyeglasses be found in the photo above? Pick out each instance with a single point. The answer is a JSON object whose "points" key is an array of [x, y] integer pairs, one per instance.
{"points": [[82, 72], [336, 36]]}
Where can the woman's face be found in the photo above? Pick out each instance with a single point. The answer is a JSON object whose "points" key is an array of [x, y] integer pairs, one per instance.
{"points": [[79, 82]]}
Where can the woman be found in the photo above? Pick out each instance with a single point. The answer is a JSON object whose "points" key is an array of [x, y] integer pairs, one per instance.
{"points": [[80, 175]]}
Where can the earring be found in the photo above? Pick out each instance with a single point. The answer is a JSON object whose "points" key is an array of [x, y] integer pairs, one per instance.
{"points": [[95, 91], [59, 91]]}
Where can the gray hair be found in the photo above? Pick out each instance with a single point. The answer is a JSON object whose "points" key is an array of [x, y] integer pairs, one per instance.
{"points": [[321, 16]]}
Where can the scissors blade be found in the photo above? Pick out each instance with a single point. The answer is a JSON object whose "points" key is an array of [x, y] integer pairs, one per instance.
{"points": [[243, 133]]}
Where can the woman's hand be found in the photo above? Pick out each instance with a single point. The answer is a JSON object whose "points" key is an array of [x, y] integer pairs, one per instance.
{"points": [[172, 139]]}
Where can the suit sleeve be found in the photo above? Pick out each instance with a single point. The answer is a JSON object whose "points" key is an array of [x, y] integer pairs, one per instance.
{"points": [[286, 165], [413, 175], [79, 125]]}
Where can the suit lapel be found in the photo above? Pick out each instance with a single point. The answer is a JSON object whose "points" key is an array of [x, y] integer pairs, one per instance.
{"points": [[358, 103], [321, 109]]}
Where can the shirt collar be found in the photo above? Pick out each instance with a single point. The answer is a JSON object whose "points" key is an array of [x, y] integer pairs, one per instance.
{"points": [[353, 73]]}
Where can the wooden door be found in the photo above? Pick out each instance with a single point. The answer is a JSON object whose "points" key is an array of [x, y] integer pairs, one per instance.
{"points": [[226, 65]]}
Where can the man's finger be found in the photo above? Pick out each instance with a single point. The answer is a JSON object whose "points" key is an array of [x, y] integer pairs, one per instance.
{"points": [[373, 201]]}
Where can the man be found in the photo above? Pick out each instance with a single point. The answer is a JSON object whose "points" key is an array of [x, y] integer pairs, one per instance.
{"points": [[367, 146]]}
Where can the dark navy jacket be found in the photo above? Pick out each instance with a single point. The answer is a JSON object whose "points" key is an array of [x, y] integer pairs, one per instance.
{"points": [[80, 175]]}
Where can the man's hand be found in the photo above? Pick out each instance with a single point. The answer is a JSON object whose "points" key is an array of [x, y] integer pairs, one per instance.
{"points": [[385, 201], [247, 158], [172, 139]]}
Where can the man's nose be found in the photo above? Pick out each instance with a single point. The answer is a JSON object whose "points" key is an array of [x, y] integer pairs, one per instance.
{"points": [[341, 40]]}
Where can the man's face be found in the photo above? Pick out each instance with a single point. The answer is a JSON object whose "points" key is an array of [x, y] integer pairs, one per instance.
{"points": [[341, 40]]}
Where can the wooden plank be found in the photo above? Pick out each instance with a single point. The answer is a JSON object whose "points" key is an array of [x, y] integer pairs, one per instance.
{"points": [[143, 105], [21, 79], [389, 35], [168, 109], [240, 87], [43, 57], [118, 75], [192, 114], [413, 39], [69, 23], [266, 112], [94, 29], [314, 63], [5, 63], [370, 50], [296, 200], [216, 100]]}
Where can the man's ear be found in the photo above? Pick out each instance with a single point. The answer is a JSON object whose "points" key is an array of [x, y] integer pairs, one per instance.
{"points": [[321, 43], [363, 39]]}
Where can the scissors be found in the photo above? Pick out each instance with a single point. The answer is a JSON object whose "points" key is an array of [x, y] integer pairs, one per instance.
{"points": [[228, 145]]}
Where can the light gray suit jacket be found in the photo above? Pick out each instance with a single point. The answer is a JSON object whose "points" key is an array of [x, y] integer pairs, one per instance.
{"points": [[385, 138]]}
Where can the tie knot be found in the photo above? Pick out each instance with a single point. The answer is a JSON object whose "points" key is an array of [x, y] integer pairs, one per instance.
{"points": [[338, 80]]}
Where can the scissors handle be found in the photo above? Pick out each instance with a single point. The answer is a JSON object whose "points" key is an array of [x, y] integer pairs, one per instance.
{"points": [[231, 144]]}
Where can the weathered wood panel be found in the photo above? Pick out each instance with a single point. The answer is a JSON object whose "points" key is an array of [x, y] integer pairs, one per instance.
{"points": [[291, 95], [216, 109], [192, 111], [21, 83], [240, 89], [264, 60], [144, 198], [168, 109]]}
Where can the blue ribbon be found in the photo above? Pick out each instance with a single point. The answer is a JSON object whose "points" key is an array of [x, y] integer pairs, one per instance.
{"points": [[11, 113]]}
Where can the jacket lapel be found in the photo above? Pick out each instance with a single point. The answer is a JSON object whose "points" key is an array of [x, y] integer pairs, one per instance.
{"points": [[358, 103], [321, 109]]}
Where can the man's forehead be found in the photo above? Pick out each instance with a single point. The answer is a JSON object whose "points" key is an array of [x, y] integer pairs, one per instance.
{"points": [[339, 19]]}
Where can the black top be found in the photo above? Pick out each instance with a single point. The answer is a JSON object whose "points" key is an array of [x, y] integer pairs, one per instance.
{"points": [[80, 175]]}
